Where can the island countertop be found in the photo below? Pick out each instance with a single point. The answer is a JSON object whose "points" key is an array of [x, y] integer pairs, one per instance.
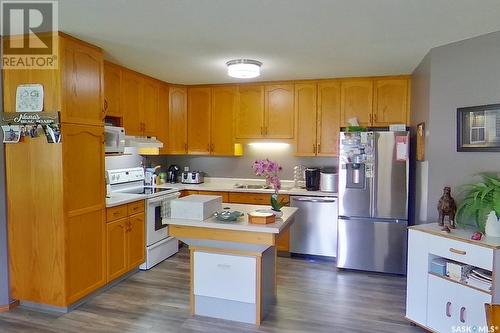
{"points": [[242, 223]]}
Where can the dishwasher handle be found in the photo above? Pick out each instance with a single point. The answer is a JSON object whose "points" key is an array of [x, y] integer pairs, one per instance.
{"points": [[308, 199]]}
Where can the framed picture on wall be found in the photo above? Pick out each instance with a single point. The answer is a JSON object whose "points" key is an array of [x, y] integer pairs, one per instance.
{"points": [[421, 142], [478, 128]]}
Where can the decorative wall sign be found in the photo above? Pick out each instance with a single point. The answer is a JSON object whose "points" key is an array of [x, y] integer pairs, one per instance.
{"points": [[16, 125], [29, 98], [478, 128], [29, 118], [421, 142]]}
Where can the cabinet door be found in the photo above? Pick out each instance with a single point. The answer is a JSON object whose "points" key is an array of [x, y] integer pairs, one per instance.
{"points": [[356, 101], [305, 112], [85, 254], [81, 69], [279, 112], [328, 118], [112, 89], [224, 103], [199, 109], [136, 241], [151, 100], [162, 132], [132, 103], [224, 195], [250, 113], [83, 168], [390, 101], [116, 248], [177, 121]]}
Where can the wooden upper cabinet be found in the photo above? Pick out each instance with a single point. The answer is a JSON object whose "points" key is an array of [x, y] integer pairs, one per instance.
{"points": [[177, 120], [199, 109], [356, 101], [150, 106], [250, 114], [224, 106], [162, 133], [328, 118], [112, 89], [131, 102], [305, 112], [82, 88], [279, 112], [390, 101]]}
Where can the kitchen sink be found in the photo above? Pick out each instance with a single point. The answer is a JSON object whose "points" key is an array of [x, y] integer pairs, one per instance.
{"points": [[252, 186]]}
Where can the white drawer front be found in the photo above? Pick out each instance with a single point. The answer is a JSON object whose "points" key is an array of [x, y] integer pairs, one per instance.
{"points": [[225, 276], [461, 251], [453, 307]]}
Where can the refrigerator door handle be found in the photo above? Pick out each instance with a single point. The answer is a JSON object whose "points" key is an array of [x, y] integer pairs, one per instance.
{"points": [[313, 199]]}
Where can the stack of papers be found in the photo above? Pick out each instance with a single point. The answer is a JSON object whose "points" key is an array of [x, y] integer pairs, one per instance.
{"points": [[480, 278]]}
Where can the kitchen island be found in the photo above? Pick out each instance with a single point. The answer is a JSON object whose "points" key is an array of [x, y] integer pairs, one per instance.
{"points": [[233, 264]]}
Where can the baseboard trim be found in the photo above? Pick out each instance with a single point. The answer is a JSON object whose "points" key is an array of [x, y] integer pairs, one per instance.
{"points": [[8, 307]]}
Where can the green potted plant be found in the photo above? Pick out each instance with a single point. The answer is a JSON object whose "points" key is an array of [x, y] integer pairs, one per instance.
{"points": [[480, 200]]}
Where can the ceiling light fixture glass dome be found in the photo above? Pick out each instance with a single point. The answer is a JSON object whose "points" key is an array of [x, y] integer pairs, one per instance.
{"points": [[243, 68]]}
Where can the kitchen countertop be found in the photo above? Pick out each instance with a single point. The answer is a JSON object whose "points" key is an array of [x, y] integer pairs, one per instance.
{"points": [[220, 185], [242, 224]]}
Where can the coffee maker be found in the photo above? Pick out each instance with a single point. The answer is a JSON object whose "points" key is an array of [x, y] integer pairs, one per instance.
{"points": [[173, 174], [312, 179]]}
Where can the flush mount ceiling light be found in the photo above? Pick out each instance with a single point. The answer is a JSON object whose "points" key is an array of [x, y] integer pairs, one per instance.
{"points": [[243, 68]]}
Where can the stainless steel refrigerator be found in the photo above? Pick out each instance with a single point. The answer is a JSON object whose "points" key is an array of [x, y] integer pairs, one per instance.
{"points": [[373, 201]]}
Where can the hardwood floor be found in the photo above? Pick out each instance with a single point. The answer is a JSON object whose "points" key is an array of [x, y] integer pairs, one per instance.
{"points": [[312, 297]]}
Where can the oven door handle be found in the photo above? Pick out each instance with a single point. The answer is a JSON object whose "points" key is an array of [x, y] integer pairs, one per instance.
{"points": [[162, 198]]}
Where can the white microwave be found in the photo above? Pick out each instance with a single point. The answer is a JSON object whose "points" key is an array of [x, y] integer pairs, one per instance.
{"points": [[114, 139]]}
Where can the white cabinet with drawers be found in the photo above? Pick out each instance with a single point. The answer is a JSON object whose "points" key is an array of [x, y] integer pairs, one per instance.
{"points": [[438, 303]]}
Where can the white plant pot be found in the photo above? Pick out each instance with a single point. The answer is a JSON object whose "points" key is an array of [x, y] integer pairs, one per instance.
{"points": [[492, 228]]}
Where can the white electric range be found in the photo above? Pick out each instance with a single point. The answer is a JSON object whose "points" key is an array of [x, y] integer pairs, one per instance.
{"points": [[159, 245]]}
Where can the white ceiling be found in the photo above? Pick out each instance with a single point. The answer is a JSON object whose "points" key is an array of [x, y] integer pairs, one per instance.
{"points": [[189, 41]]}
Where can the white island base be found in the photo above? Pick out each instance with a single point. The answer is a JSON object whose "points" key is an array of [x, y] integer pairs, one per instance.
{"points": [[233, 266]]}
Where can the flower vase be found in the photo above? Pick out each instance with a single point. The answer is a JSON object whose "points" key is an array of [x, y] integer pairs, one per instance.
{"points": [[492, 228], [274, 199]]}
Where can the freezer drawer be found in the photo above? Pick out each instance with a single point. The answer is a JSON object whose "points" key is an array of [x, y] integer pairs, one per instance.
{"points": [[314, 231], [372, 245]]}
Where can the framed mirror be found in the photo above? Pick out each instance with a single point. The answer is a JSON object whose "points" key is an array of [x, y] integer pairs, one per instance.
{"points": [[478, 128]]}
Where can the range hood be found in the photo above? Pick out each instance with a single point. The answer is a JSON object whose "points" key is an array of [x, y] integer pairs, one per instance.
{"points": [[142, 142]]}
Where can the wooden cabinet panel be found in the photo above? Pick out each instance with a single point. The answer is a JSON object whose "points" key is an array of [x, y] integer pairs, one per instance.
{"points": [[283, 241], [254, 198], [81, 69], [250, 114], [116, 213], [390, 101], [136, 241], [131, 102], [224, 105], [279, 113], [224, 195], [162, 133], [185, 193], [135, 207], [150, 101], [356, 101], [85, 254], [116, 245], [328, 118], [177, 121], [199, 109], [112, 89], [83, 168], [305, 112]]}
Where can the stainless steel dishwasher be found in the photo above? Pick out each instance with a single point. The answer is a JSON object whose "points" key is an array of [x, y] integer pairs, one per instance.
{"points": [[314, 231]]}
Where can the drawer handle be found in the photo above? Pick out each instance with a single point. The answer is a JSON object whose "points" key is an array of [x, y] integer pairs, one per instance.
{"points": [[116, 213], [458, 251], [448, 309], [462, 314], [224, 266]]}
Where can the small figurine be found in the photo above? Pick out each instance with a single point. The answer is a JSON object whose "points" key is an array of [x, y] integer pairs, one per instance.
{"points": [[447, 207], [476, 236]]}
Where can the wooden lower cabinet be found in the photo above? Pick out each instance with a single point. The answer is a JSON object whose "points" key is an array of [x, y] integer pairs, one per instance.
{"points": [[224, 195], [125, 239]]}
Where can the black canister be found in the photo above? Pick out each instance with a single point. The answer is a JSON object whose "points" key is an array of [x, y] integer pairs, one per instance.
{"points": [[312, 179]]}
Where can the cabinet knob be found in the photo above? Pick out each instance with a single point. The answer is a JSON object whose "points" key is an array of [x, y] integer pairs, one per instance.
{"points": [[105, 105], [261, 130], [448, 309], [319, 148]]}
